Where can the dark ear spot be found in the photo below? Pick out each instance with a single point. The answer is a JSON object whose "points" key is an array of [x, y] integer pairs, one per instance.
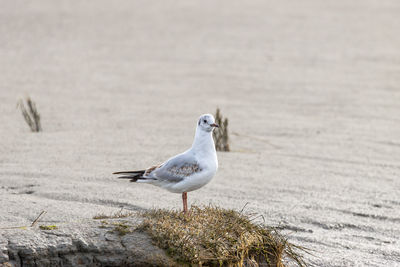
{"points": [[199, 122]]}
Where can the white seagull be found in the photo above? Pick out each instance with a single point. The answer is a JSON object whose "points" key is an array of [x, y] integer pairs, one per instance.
{"points": [[185, 172]]}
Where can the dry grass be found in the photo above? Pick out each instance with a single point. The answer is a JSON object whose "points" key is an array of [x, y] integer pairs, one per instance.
{"points": [[220, 134], [116, 215], [31, 115], [218, 237]]}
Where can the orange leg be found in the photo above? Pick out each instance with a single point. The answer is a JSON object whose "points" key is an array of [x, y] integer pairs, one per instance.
{"points": [[184, 199]]}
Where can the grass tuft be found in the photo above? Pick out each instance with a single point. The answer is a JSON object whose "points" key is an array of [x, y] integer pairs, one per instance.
{"points": [[116, 215], [220, 134], [31, 115], [220, 237]]}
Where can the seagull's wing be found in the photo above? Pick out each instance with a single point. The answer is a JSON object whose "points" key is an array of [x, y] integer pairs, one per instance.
{"points": [[173, 170], [176, 169]]}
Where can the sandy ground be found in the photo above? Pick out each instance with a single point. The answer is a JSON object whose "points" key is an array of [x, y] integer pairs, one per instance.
{"points": [[311, 89]]}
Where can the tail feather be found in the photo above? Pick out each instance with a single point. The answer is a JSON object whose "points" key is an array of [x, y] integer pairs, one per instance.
{"points": [[133, 175]]}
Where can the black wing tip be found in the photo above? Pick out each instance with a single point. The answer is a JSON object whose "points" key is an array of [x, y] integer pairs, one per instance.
{"points": [[126, 177], [132, 178], [135, 178], [130, 172]]}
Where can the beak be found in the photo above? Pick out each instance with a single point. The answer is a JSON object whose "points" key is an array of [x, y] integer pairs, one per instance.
{"points": [[214, 125]]}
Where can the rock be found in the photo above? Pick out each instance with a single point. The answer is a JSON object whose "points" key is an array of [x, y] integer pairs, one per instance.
{"points": [[143, 253], [90, 243]]}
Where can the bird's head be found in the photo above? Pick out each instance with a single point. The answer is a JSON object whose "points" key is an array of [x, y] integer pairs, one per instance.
{"points": [[207, 123]]}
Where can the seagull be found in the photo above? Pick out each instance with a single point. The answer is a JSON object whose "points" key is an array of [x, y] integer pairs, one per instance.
{"points": [[187, 171]]}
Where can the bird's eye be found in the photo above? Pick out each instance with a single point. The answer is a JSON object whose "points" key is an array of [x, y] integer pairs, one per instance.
{"points": [[205, 121]]}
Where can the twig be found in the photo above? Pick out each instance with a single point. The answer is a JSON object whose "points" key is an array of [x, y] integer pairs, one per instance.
{"points": [[37, 218], [244, 207]]}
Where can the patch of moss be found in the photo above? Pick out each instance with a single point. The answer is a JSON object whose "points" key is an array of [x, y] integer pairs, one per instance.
{"points": [[218, 237], [104, 224], [100, 216], [121, 228], [48, 227]]}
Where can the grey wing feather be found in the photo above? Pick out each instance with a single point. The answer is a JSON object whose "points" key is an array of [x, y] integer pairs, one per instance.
{"points": [[177, 168]]}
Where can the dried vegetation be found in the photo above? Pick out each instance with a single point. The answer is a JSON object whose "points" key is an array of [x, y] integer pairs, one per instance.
{"points": [[116, 215], [220, 134], [213, 236], [30, 114]]}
